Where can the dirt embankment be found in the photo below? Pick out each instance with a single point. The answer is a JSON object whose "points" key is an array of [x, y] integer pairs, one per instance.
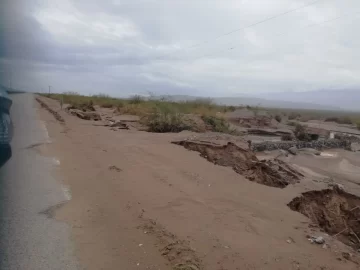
{"points": [[50, 110], [334, 210], [273, 173]]}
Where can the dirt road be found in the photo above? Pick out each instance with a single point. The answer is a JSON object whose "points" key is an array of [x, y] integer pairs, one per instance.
{"points": [[140, 202]]}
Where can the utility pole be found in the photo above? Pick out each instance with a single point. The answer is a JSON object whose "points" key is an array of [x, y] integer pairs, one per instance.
{"points": [[49, 89], [10, 79]]}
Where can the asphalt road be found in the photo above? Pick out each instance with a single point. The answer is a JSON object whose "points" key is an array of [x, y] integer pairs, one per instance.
{"points": [[29, 238]]}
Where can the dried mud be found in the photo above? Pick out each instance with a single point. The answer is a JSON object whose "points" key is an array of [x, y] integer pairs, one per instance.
{"points": [[334, 210], [273, 173]]}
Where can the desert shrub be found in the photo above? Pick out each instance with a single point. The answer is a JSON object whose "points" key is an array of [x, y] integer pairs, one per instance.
{"points": [[278, 118], [291, 123], [339, 120], [300, 133], [162, 122], [218, 124], [137, 105], [136, 99], [286, 137], [293, 116], [332, 119], [345, 120], [305, 118], [71, 93]]}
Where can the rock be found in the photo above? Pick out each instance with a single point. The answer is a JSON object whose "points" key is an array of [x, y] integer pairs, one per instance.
{"points": [[355, 147], [346, 255], [293, 150], [319, 240], [283, 152], [85, 115], [339, 186]]}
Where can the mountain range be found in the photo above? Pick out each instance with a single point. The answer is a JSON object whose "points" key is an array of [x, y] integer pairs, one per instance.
{"points": [[313, 100]]}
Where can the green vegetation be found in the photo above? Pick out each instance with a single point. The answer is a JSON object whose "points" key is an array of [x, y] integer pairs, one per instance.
{"points": [[293, 116], [340, 120], [158, 115], [162, 122], [218, 124], [138, 105], [300, 133], [287, 137], [278, 118], [291, 123]]}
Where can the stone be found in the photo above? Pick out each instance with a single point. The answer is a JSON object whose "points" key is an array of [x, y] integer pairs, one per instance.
{"points": [[346, 255], [355, 147], [283, 152], [293, 150], [319, 240]]}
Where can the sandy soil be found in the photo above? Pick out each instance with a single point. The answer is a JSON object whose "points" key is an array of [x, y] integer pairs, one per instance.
{"points": [[140, 202]]}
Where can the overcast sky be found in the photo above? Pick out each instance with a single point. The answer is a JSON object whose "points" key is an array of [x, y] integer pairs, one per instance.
{"points": [[126, 47]]}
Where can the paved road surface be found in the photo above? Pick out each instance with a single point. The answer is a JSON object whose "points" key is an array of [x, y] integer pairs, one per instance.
{"points": [[30, 239]]}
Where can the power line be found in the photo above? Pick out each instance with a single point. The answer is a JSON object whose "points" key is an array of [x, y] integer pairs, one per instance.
{"points": [[281, 33], [247, 26]]}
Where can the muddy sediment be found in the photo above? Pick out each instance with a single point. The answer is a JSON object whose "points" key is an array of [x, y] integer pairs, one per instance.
{"points": [[273, 173], [334, 210], [178, 252]]}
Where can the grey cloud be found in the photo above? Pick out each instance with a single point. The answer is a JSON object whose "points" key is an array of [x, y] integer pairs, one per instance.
{"points": [[280, 55]]}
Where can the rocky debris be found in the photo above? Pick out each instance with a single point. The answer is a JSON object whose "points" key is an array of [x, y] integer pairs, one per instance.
{"points": [[346, 255], [319, 240], [285, 145], [274, 173], [57, 116], [337, 186], [293, 150], [85, 115], [355, 146], [333, 210], [347, 137]]}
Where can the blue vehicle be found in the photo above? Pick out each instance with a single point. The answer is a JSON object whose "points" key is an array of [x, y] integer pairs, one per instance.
{"points": [[6, 126]]}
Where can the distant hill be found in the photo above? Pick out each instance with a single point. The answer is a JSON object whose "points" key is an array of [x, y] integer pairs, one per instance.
{"points": [[348, 99], [253, 101]]}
